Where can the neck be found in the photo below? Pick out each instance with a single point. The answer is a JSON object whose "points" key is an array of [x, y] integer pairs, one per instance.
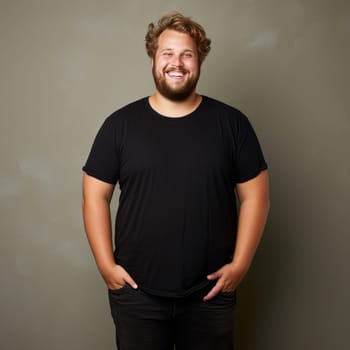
{"points": [[174, 109]]}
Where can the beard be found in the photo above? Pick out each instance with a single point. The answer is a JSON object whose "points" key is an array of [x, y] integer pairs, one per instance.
{"points": [[178, 93]]}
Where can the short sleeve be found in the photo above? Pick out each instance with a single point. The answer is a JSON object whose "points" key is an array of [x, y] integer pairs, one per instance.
{"points": [[103, 160], [249, 160]]}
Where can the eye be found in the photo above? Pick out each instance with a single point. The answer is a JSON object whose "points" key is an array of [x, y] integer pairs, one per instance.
{"points": [[187, 54]]}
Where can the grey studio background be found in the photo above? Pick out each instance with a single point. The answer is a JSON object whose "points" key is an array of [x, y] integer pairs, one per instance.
{"points": [[66, 65]]}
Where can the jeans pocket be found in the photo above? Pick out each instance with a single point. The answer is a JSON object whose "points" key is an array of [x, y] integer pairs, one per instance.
{"points": [[232, 292], [227, 297], [119, 290]]}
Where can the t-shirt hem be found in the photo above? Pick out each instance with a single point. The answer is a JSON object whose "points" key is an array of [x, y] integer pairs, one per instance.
{"points": [[180, 294]]}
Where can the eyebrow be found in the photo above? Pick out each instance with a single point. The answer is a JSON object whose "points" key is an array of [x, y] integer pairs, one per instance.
{"points": [[170, 49]]}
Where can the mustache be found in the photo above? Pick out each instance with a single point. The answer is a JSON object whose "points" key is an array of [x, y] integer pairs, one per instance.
{"points": [[175, 68]]}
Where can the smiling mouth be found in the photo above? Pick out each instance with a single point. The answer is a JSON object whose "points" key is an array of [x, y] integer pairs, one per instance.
{"points": [[175, 75], [172, 73]]}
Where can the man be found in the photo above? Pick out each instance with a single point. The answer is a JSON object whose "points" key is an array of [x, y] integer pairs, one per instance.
{"points": [[181, 249]]}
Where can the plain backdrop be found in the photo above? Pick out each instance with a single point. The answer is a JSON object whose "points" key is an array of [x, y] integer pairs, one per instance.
{"points": [[66, 65]]}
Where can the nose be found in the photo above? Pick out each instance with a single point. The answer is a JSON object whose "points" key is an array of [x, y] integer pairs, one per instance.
{"points": [[177, 61]]}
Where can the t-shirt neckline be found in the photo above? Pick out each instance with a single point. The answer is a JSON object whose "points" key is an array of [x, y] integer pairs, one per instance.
{"points": [[174, 119]]}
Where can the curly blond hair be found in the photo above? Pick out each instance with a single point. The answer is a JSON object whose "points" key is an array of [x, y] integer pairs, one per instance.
{"points": [[176, 21]]}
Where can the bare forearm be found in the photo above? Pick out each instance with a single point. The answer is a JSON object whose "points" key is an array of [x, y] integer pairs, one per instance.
{"points": [[251, 223], [254, 206], [97, 221]]}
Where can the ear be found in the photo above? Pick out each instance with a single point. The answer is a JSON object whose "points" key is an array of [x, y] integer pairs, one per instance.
{"points": [[152, 62]]}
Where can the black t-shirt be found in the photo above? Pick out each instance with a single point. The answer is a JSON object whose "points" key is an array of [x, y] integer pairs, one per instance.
{"points": [[176, 220]]}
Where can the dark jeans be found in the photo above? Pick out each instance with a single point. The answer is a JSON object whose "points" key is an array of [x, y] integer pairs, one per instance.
{"points": [[148, 322]]}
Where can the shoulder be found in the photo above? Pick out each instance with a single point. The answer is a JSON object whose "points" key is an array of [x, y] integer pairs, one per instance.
{"points": [[225, 111], [127, 111]]}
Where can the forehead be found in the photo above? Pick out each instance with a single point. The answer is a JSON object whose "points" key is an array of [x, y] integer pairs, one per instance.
{"points": [[172, 39]]}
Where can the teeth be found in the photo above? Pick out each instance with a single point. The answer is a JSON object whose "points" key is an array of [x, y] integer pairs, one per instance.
{"points": [[176, 75]]}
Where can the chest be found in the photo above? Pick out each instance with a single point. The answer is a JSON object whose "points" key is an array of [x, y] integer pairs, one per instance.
{"points": [[196, 147]]}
